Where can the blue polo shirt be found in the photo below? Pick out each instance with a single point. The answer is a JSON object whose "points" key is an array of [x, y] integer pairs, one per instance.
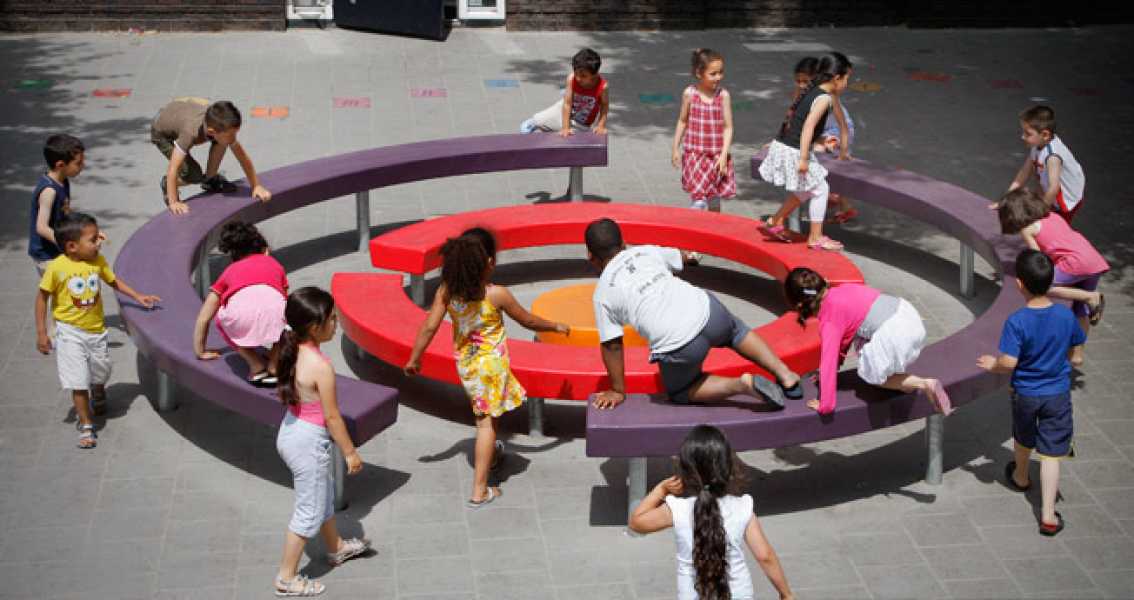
{"points": [[1040, 339]]}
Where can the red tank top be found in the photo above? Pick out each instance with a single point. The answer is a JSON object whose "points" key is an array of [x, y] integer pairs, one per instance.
{"points": [[584, 102]]}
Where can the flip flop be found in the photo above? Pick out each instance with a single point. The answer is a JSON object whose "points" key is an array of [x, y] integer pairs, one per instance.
{"points": [[940, 398], [1010, 476], [1096, 313], [1051, 530], [772, 392], [474, 505], [776, 232]]}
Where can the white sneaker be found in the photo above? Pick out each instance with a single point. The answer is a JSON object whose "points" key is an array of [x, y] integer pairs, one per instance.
{"points": [[528, 126], [699, 205]]}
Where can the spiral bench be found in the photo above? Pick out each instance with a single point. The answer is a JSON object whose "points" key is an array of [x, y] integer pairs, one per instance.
{"points": [[168, 252]]}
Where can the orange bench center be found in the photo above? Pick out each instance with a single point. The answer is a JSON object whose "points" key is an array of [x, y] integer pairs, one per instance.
{"points": [[573, 305]]}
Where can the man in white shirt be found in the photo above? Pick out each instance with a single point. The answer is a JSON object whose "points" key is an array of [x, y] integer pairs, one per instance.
{"points": [[680, 322]]}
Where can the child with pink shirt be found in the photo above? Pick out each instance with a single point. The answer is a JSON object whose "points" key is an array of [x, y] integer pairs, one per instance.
{"points": [[886, 330], [1078, 265], [248, 301]]}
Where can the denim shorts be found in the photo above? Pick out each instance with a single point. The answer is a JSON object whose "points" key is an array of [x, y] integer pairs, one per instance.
{"points": [[681, 368], [1043, 423]]}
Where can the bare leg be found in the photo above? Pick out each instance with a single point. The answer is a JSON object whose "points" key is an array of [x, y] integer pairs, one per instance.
{"points": [[82, 401], [1077, 351], [790, 204], [330, 534], [905, 382], [1049, 487], [292, 550], [273, 358], [1023, 457], [250, 356], [483, 449], [216, 153], [754, 348], [712, 388], [814, 232]]}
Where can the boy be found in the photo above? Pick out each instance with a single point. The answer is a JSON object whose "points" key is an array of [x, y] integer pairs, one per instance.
{"points": [[51, 199], [1035, 347], [72, 281], [681, 323], [585, 101], [187, 122], [1060, 175]]}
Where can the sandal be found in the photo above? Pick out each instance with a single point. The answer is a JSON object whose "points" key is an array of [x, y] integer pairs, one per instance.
{"points": [[88, 439], [497, 455], [1010, 475], [492, 495], [826, 243], [1095, 315], [264, 379], [776, 232], [348, 549], [300, 585], [1051, 530], [844, 215], [771, 392]]}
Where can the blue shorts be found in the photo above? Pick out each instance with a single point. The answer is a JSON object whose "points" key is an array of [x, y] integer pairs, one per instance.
{"points": [[1043, 423]]}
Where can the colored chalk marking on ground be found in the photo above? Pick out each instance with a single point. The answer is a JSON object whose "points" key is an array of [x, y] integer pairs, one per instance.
{"points": [[111, 93], [429, 93], [742, 105], [656, 99], [1006, 84], [33, 84], [930, 76], [1086, 92], [501, 83], [270, 112], [352, 102], [865, 86]]}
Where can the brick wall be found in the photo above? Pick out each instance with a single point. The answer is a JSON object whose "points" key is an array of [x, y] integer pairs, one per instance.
{"points": [[699, 14], [163, 15]]}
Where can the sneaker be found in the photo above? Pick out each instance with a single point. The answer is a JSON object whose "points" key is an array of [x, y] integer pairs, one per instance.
{"points": [[527, 126], [699, 205], [217, 184]]}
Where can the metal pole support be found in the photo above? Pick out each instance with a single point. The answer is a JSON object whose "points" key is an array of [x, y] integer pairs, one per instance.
{"points": [[575, 184], [417, 289], [967, 269], [535, 417], [935, 447], [362, 209], [338, 466], [166, 398], [635, 483]]}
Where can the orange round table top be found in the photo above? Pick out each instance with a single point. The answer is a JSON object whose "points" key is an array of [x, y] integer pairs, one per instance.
{"points": [[574, 306]]}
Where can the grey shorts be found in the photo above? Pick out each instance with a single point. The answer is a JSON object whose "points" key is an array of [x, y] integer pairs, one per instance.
{"points": [[306, 448], [681, 368]]}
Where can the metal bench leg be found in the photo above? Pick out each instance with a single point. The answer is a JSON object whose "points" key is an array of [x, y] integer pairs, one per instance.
{"points": [[362, 208], [535, 417], [575, 184], [636, 483], [967, 270], [166, 399], [417, 289], [935, 444], [338, 466]]}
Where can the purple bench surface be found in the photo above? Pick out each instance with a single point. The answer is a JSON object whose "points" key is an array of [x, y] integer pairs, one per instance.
{"points": [[160, 257], [649, 426]]}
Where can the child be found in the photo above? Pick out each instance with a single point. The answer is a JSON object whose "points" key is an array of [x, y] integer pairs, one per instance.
{"points": [[248, 301], [1078, 265], [585, 102], [72, 282], [836, 138], [1051, 161], [704, 135], [790, 163], [711, 521], [887, 331], [187, 122], [479, 344], [311, 423], [1035, 348], [51, 199]]}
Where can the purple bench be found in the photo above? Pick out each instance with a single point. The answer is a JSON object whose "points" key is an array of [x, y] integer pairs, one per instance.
{"points": [[650, 426], [167, 253]]}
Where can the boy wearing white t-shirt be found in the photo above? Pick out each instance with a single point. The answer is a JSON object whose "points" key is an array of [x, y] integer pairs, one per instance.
{"points": [[681, 323], [1059, 174]]}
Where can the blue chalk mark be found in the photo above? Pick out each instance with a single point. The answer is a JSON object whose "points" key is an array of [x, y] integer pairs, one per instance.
{"points": [[501, 83]]}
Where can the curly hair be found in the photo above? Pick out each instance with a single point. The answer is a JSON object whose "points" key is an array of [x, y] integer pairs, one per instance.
{"points": [[1020, 208], [307, 308], [239, 239], [709, 469], [804, 289], [485, 237], [463, 265]]}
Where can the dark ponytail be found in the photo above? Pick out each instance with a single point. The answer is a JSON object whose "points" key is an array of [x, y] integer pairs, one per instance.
{"points": [[702, 58], [709, 468], [307, 309], [804, 289], [827, 68]]}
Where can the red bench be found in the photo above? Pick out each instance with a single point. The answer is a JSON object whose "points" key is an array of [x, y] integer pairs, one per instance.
{"points": [[379, 317]]}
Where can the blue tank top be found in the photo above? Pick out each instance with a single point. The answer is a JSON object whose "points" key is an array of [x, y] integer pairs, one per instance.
{"points": [[41, 249]]}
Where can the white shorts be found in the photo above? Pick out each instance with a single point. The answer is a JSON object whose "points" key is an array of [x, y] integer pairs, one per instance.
{"points": [[895, 345], [83, 357], [307, 450]]}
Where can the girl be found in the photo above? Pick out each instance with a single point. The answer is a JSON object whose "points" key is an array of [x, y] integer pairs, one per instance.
{"points": [[887, 331], [790, 162], [711, 520], [248, 300], [481, 350], [310, 425], [1078, 265], [704, 134], [836, 138]]}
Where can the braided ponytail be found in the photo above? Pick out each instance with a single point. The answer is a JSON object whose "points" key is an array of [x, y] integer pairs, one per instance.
{"points": [[804, 291]]}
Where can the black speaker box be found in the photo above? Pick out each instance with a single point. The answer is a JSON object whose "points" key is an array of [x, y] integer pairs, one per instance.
{"points": [[419, 18]]}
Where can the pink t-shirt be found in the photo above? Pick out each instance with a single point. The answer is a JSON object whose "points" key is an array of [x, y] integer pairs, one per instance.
{"points": [[254, 269], [843, 310], [1068, 249]]}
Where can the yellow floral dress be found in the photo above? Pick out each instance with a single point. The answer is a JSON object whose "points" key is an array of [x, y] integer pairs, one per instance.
{"points": [[481, 350]]}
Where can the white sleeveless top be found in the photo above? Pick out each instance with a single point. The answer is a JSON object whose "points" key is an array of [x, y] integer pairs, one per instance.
{"points": [[1071, 177], [736, 511]]}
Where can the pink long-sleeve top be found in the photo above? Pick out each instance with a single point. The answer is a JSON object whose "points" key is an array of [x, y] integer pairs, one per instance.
{"points": [[841, 314]]}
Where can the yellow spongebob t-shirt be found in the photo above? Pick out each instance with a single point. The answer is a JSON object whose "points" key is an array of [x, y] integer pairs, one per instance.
{"points": [[76, 287]]}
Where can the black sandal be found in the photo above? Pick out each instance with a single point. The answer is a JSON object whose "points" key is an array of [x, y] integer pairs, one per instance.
{"points": [[1051, 530], [1010, 475]]}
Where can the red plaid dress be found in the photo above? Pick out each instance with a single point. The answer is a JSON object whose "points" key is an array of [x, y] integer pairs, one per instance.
{"points": [[704, 137]]}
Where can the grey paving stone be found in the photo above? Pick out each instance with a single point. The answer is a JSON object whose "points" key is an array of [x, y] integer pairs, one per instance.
{"points": [[941, 530], [963, 562], [1042, 575], [434, 575], [983, 589], [901, 581], [1100, 554], [426, 540], [880, 549], [613, 591]]}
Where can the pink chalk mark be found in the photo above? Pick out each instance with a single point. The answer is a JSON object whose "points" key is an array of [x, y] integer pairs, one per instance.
{"points": [[428, 93], [351, 102]]}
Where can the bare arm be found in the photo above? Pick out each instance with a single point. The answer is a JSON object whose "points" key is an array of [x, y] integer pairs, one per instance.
{"points": [[1002, 364], [259, 192], [1054, 166], [328, 396], [428, 330], [146, 300], [682, 123], [503, 299], [604, 109], [1022, 175], [42, 342], [726, 144], [201, 328], [568, 100], [614, 361], [765, 555], [844, 129], [652, 513], [1029, 235], [176, 159], [43, 218]]}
